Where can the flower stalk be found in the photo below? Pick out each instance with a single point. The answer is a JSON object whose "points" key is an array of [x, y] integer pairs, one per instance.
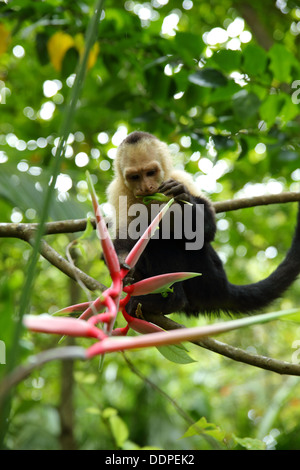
{"points": [[105, 308]]}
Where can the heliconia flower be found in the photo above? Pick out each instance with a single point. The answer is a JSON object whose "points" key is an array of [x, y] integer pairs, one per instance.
{"points": [[92, 308], [110, 313], [76, 308], [141, 326], [62, 326], [109, 251], [141, 244], [110, 302], [157, 284], [121, 331]]}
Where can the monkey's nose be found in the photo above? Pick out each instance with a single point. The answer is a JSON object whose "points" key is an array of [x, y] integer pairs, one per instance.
{"points": [[147, 191]]}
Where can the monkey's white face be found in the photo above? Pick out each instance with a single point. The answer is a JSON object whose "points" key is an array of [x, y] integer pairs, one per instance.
{"points": [[141, 168], [144, 180]]}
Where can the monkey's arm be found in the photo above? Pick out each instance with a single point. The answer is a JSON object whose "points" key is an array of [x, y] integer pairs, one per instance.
{"points": [[181, 193]]}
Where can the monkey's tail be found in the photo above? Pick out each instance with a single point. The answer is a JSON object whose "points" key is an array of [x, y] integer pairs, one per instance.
{"points": [[254, 297]]}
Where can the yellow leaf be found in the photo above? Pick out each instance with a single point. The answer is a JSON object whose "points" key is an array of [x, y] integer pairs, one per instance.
{"points": [[93, 55], [58, 45], [4, 38], [79, 44]]}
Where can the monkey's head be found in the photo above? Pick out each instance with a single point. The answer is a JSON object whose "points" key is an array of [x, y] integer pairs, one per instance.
{"points": [[143, 162]]}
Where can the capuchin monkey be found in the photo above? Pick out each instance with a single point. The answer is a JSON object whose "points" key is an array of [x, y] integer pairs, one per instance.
{"points": [[143, 166]]}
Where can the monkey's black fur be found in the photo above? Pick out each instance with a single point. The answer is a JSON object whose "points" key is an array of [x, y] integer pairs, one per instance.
{"points": [[211, 292], [136, 136]]}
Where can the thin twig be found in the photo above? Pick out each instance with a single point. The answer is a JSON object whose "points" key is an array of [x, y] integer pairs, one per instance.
{"points": [[190, 422], [35, 362]]}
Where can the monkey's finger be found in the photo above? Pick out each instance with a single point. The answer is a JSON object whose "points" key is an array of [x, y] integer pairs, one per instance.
{"points": [[182, 197], [170, 188], [167, 184], [178, 191]]}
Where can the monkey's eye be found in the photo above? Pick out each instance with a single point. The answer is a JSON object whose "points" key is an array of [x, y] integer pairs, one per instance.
{"points": [[151, 172], [133, 177]]}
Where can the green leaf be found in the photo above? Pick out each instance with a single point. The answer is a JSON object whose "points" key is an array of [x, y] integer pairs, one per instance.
{"points": [[203, 427], [244, 148], [155, 197], [270, 108], [255, 60], [118, 427], [89, 229], [289, 110], [278, 106], [245, 105], [281, 62], [249, 443], [227, 60], [188, 45], [159, 197], [176, 353], [294, 317], [224, 93], [208, 78]]}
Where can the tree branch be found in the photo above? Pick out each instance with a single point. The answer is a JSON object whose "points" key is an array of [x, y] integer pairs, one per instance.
{"points": [[67, 268], [252, 18], [264, 200], [27, 231], [237, 354]]}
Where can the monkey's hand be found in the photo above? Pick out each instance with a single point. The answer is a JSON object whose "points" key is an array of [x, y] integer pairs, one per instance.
{"points": [[176, 190]]}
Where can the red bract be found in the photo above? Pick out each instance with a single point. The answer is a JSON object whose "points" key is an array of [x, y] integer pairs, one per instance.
{"points": [[157, 284], [141, 244], [110, 301], [62, 326], [109, 252]]}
